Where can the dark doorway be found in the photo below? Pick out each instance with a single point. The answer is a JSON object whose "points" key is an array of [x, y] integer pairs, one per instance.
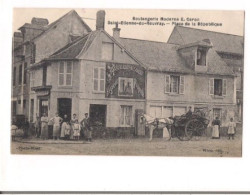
{"points": [[44, 106], [97, 114], [64, 106]]}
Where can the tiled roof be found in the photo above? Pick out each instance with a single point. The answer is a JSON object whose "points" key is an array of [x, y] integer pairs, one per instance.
{"points": [[72, 50], [222, 42], [165, 57]]}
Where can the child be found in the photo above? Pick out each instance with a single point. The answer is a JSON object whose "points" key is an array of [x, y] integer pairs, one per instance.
{"points": [[77, 129], [231, 129], [67, 131]]}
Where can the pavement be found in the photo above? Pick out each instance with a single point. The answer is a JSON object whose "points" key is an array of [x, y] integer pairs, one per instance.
{"points": [[204, 147]]}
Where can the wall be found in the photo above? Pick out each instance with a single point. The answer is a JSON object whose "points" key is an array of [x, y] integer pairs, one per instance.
{"points": [[58, 37]]}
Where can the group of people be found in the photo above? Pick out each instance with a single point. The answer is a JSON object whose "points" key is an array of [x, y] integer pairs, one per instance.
{"points": [[64, 128], [216, 128]]}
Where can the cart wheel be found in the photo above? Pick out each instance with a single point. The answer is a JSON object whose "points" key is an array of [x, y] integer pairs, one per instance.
{"points": [[194, 128]]}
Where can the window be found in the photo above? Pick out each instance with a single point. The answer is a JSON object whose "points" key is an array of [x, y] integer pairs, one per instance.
{"points": [[107, 51], [174, 84], [14, 76], [99, 79], [218, 87], [126, 116], [25, 74], [217, 113], [44, 75], [32, 79], [31, 110], [166, 111], [201, 57], [65, 73], [14, 105], [24, 104], [20, 75], [125, 86]]}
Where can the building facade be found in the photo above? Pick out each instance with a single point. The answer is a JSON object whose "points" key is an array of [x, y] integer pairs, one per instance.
{"points": [[114, 79]]}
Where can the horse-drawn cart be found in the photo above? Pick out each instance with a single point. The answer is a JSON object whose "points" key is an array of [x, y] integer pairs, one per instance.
{"points": [[185, 127]]}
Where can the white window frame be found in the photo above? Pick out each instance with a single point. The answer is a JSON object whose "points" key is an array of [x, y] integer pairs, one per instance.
{"points": [[220, 110], [119, 87], [224, 86], [65, 73], [124, 119], [181, 84], [196, 57], [99, 79]]}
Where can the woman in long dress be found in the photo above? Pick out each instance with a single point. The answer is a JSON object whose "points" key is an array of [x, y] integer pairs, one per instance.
{"points": [[56, 127], [64, 126], [216, 128], [231, 129], [44, 126], [72, 122]]}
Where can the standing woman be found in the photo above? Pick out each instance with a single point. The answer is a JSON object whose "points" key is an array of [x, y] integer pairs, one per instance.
{"points": [[64, 126], [56, 127], [72, 122], [44, 126], [216, 128]]}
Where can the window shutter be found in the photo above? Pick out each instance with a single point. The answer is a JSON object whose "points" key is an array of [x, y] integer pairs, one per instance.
{"points": [[224, 88], [167, 83], [211, 86], [182, 84]]}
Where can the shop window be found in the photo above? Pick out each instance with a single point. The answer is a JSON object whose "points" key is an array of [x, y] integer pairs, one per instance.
{"points": [[218, 87], [125, 86], [217, 113], [99, 79], [174, 84], [201, 57], [65, 73], [126, 116], [107, 51]]}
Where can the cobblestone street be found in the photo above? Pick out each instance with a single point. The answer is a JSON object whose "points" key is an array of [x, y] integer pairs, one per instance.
{"points": [[205, 147]]}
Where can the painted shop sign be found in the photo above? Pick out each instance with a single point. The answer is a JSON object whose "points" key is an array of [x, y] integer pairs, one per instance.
{"points": [[125, 81]]}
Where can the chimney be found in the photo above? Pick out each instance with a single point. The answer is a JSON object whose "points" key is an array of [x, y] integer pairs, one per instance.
{"points": [[116, 31], [100, 20]]}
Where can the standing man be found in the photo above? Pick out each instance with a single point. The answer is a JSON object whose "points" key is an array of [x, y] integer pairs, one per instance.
{"points": [[86, 124], [56, 127]]}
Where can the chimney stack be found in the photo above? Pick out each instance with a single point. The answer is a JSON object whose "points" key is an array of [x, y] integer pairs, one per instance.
{"points": [[116, 31], [100, 20]]}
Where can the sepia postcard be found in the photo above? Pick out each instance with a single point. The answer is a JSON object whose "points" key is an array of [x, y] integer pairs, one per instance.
{"points": [[127, 82]]}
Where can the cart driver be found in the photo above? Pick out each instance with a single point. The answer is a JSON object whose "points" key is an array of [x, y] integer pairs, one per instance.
{"points": [[189, 112]]}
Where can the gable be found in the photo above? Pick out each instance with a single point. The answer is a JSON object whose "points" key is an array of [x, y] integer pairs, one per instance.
{"points": [[175, 38]]}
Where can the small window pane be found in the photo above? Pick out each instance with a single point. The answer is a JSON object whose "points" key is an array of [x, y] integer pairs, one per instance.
{"points": [[95, 85], [61, 77], [69, 67], [101, 85], [68, 79], [61, 67], [102, 73], [96, 73]]}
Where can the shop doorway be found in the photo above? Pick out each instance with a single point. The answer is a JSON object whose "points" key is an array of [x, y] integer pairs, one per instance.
{"points": [[44, 106], [97, 114], [64, 106]]}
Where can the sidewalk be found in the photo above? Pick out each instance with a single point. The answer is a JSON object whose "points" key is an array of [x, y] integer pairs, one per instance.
{"points": [[51, 141]]}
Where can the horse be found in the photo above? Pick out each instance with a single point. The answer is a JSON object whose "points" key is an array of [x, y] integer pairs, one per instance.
{"points": [[154, 123]]}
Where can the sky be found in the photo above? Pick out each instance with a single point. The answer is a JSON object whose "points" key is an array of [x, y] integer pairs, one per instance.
{"points": [[232, 21]]}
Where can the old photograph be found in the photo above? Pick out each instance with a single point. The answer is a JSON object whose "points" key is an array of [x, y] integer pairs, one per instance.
{"points": [[127, 82]]}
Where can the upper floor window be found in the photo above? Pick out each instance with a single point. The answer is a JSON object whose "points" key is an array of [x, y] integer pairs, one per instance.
{"points": [[14, 76], [218, 87], [201, 57], [174, 84], [107, 51], [25, 74], [20, 74], [99, 79], [65, 73]]}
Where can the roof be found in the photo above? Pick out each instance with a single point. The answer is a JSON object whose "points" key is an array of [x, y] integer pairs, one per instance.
{"points": [[72, 50], [156, 55], [50, 26], [222, 42], [162, 56]]}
